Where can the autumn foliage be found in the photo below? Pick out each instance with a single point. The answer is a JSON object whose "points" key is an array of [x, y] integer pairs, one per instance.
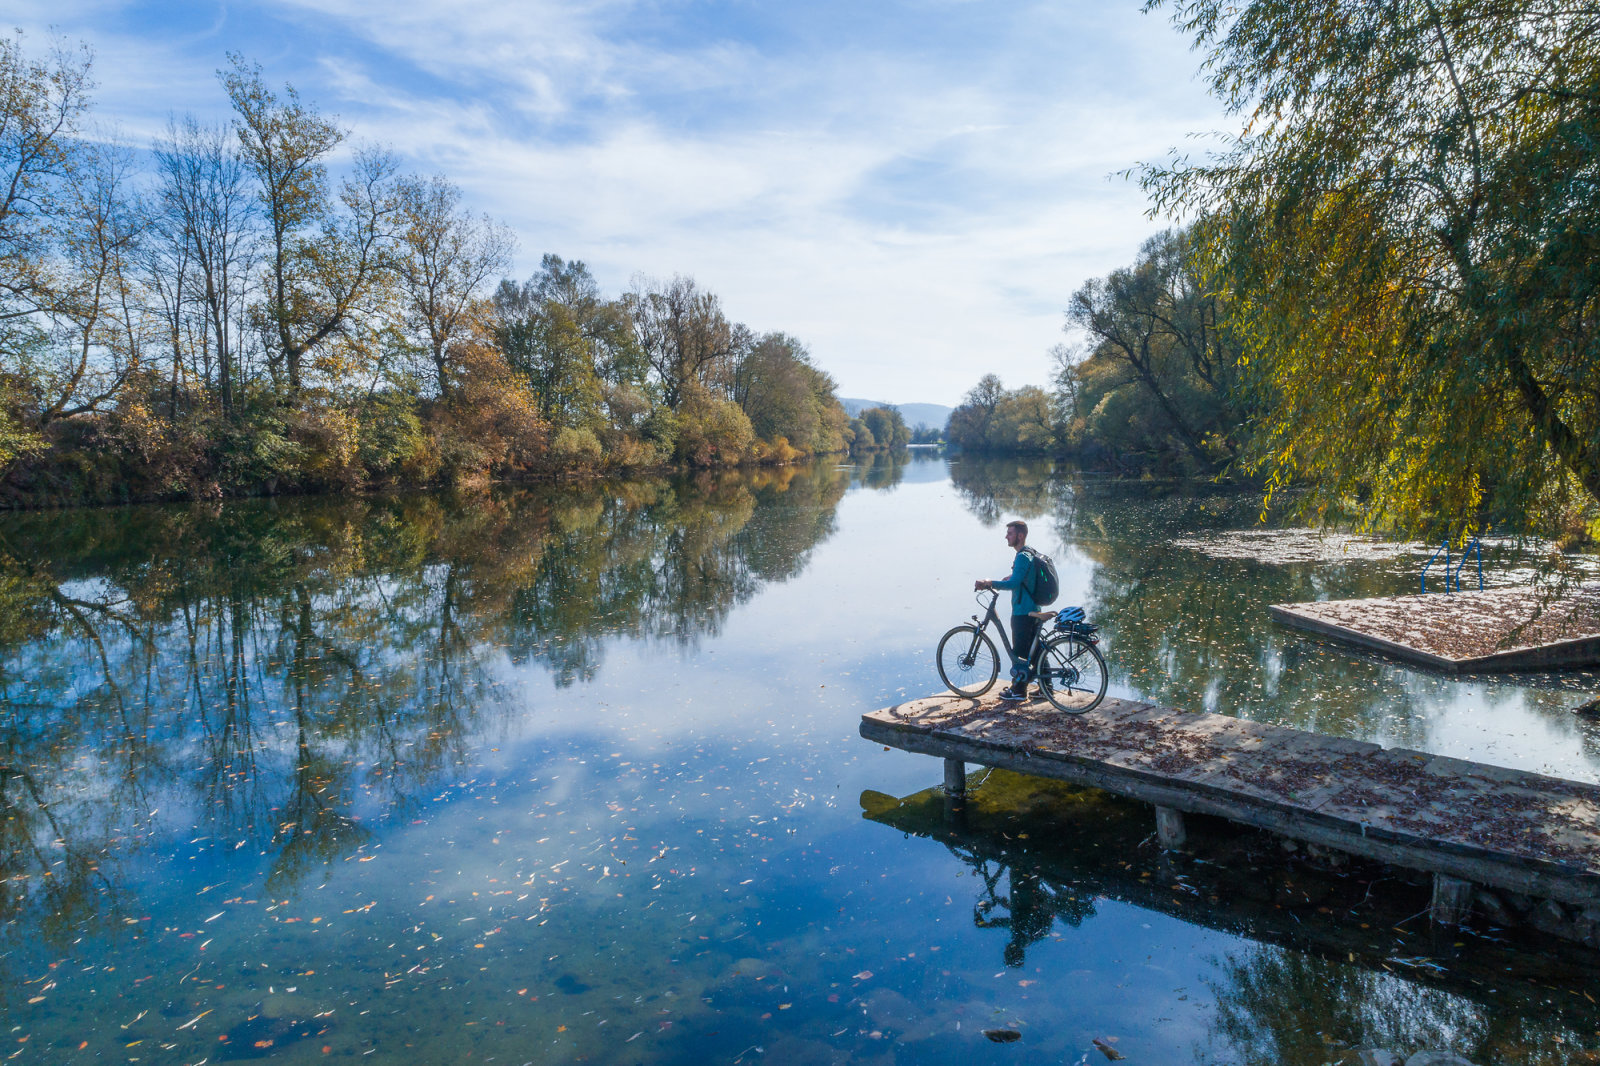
{"points": [[237, 315]]}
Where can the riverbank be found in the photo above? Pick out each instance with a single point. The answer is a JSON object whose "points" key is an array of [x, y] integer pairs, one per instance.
{"points": [[72, 484]]}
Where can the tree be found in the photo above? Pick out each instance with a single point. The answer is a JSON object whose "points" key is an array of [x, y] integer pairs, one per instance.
{"points": [[1155, 327], [16, 439], [98, 323], [322, 262], [1409, 228], [969, 423], [683, 333], [786, 397], [997, 419], [67, 235], [887, 426], [445, 257], [1025, 421], [42, 107], [575, 347], [73, 328], [204, 235], [237, 318]]}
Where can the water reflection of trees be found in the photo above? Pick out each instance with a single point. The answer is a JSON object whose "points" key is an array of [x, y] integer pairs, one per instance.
{"points": [[664, 561], [1323, 957], [1276, 1006], [275, 674], [882, 470], [995, 487]]}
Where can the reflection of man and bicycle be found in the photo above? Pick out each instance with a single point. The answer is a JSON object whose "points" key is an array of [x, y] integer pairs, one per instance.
{"points": [[1029, 875], [1064, 660], [1029, 908]]}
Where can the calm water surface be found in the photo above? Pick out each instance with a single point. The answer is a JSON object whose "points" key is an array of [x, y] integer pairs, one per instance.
{"points": [[572, 774]]}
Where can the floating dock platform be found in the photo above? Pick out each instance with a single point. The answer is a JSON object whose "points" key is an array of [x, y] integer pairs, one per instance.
{"points": [[1521, 847], [1492, 630]]}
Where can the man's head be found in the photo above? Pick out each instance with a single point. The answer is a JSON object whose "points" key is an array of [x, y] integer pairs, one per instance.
{"points": [[1016, 533]]}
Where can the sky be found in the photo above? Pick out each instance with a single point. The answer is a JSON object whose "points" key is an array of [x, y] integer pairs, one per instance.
{"points": [[913, 188]]}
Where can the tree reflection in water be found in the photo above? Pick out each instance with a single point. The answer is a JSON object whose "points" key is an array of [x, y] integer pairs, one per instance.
{"points": [[1285, 1006], [882, 470], [276, 674]]}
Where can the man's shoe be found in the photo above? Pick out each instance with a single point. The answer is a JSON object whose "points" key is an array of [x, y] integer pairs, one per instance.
{"points": [[1011, 695]]}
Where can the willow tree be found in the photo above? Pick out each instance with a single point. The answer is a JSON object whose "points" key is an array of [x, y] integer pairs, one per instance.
{"points": [[1409, 223]]}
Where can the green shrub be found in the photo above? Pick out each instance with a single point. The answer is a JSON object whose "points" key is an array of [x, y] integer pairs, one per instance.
{"points": [[712, 432], [393, 444], [575, 448]]}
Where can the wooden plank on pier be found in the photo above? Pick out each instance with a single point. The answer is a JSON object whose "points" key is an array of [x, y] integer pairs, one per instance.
{"points": [[1505, 829], [1464, 632]]}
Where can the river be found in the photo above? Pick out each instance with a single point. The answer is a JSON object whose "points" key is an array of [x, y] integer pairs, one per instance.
{"points": [[571, 773]]}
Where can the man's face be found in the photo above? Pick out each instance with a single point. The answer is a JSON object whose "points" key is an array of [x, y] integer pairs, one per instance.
{"points": [[1013, 537]]}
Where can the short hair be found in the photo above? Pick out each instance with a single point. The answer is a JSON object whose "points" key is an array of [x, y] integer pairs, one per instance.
{"points": [[1018, 524]]}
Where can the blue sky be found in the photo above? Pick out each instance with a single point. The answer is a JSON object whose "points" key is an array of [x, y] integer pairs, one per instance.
{"points": [[912, 187]]}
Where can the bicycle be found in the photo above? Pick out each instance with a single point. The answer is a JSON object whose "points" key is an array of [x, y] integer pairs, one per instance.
{"points": [[1067, 661]]}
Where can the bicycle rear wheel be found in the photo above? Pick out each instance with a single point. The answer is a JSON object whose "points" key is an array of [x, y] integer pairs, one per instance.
{"points": [[967, 661], [1072, 674]]}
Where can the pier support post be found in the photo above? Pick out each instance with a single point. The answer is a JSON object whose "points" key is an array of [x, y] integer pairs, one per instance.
{"points": [[955, 778], [1452, 900], [955, 794], [1169, 828]]}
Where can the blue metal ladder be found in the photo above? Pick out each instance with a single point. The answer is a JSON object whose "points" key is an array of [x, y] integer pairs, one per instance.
{"points": [[1452, 576]]}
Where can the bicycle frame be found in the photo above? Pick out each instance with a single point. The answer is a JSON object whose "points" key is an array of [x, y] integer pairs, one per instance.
{"points": [[991, 615]]}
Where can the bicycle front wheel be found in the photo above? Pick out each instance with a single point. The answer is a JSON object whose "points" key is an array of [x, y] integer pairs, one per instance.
{"points": [[967, 661], [1072, 674]]}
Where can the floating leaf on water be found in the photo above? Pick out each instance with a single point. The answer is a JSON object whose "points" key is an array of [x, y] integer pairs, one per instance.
{"points": [[1003, 1036], [1107, 1050]]}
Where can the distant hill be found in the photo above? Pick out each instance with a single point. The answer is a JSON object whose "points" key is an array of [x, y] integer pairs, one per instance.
{"points": [[932, 415]]}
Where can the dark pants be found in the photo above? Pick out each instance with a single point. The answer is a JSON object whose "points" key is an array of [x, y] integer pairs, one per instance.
{"points": [[1023, 629]]}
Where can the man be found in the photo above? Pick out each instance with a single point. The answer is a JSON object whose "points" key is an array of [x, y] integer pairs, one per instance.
{"points": [[1023, 627]]}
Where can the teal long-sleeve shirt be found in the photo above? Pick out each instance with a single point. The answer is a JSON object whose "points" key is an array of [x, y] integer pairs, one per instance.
{"points": [[1021, 602]]}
